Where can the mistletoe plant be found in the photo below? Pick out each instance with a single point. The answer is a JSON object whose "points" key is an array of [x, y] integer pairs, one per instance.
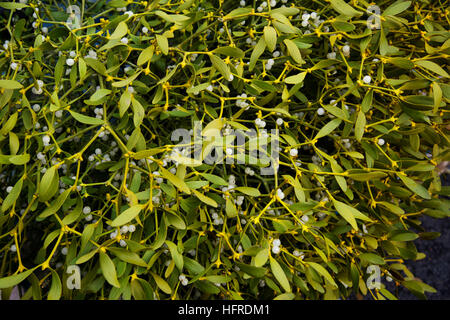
{"points": [[345, 101]]}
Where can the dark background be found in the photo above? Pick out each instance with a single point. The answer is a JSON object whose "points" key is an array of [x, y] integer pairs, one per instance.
{"points": [[434, 270]]}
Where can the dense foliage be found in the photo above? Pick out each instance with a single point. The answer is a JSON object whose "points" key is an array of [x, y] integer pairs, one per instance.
{"points": [[90, 175]]}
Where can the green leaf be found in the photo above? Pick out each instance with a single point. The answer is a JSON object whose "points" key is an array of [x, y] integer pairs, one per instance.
{"points": [[253, 192], [279, 274], [230, 51], [338, 112], [344, 8], [56, 205], [230, 209], [372, 258], [293, 51], [161, 283], [124, 102], [437, 96], [432, 66], [323, 272], [19, 159], [137, 291], [261, 257], [74, 214], [86, 257], [47, 186], [257, 272], [237, 12], [145, 55], [128, 215], [120, 31], [270, 37], [162, 234], [285, 296], [96, 65], [391, 207], [56, 287], [328, 128], [11, 281], [138, 112], [346, 212], [127, 81], [108, 269], [214, 179], [401, 235], [360, 125], [322, 64], [396, 8], [86, 119], [193, 266], [256, 53], [176, 181], [298, 78], [221, 66], [163, 44], [82, 68], [205, 199], [99, 94], [176, 256], [401, 63], [176, 221], [10, 84], [414, 187], [13, 195], [362, 175], [12, 6], [128, 256]]}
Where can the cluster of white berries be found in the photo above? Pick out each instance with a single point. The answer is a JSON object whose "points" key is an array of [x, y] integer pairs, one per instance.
{"points": [[6, 45], [293, 152], [249, 171], [46, 140], [231, 185], [270, 64], [311, 20], [276, 246], [298, 254], [242, 103], [239, 200], [280, 194], [91, 54], [367, 79], [346, 50], [347, 143], [183, 279], [40, 85], [98, 113], [123, 230], [15, 66], [264, 5], [216, 219], [260, 123]]}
